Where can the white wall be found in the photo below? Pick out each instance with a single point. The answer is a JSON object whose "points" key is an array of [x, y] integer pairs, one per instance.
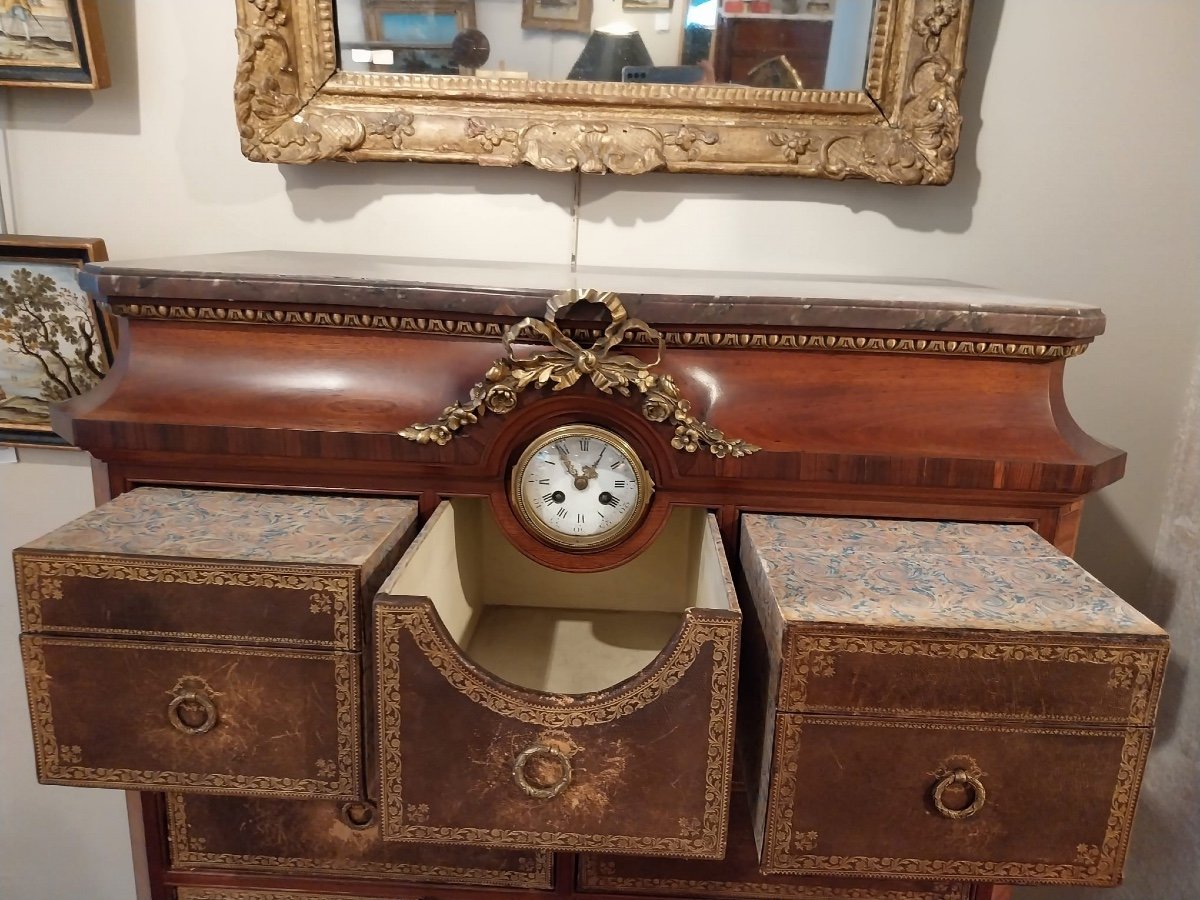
{"points": [[56, 843], [1077, 180]]}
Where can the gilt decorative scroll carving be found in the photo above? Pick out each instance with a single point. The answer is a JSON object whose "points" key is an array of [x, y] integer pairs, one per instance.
{"points": [[566, 363], [294, 105]]}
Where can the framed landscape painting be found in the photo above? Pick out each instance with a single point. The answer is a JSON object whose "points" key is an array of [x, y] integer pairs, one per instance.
{"points": [[51, 43], [556, 15], [55, 342]]}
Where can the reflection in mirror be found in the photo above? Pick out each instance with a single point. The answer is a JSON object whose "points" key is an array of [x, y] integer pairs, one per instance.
{"points": [[789, 44]]}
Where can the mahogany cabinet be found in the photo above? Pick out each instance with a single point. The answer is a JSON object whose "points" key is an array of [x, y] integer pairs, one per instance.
{"points": [[535, 709]]}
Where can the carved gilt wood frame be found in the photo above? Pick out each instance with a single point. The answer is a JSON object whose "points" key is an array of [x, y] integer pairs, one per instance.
{"points": [[295, 106]]}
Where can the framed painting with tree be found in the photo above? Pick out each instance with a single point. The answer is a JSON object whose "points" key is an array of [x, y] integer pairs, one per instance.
{"points": [[55, 341]]}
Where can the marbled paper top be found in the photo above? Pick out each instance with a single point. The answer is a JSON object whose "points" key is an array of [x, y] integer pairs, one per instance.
{"points": [[280, 528], [925, 574]]}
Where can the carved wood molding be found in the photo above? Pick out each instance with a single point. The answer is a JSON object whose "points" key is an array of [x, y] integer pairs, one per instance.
{"points": [[294, 106]]}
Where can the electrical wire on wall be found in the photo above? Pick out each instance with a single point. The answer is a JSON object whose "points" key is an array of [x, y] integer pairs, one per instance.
{"points": [[6, 214]]}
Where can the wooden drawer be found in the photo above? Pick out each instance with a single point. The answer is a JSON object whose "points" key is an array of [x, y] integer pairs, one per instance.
{"points": [[941, 700], [321, 838], [144, 716], [738, 877], [205, 640], [598, 714]]}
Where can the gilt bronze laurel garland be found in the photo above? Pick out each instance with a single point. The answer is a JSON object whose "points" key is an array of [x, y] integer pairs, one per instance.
{"points": [[566, 363]]}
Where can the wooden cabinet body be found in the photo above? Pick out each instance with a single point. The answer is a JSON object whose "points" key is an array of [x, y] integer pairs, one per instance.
{"points": [[297, 374]]}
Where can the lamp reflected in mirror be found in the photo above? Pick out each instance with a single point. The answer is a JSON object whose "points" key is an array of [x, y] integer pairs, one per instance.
{"points": [[608, 51]]}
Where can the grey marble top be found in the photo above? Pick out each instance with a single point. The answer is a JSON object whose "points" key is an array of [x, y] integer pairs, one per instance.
{"points": [[662, 297]]}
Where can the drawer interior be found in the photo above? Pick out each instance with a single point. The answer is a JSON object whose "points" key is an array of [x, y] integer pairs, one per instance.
{"points": [[560, 632]]}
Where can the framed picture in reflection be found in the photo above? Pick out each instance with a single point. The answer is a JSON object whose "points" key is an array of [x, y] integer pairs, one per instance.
{"points": [[635, 5], [51, 43], [557, 15], [416, 35]]}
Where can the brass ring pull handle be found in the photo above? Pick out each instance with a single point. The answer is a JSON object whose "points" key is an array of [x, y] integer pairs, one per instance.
{"points": [[357, 814], [181, 712], [959, 776], [542, 793]]}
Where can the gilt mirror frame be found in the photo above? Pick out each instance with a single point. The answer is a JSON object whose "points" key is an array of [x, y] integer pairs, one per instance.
{"points": [[294, 105]]}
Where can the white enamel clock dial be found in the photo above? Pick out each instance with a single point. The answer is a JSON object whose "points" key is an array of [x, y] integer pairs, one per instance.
{"points": [[580, 487]]}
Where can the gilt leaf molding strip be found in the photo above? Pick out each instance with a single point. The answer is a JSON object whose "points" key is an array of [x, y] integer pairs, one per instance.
{"points": [[566, 363], [1017, 348], [294, 105]]}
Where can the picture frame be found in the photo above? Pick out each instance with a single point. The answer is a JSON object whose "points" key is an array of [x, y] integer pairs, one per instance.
{"points": [[646, 5], [52, 43], [295, 104], [56, 341], [557, 15]]}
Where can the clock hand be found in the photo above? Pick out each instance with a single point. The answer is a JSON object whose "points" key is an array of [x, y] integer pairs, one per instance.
{"points": [[566, 462], [589, 472]]}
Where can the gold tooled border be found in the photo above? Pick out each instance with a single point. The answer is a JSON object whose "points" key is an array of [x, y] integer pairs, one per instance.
{"points": [[723, 633], [53, 768], [1146, 665], [230, 893], [39, 581], [188, 852], [598, 873], [1100, 866], [814, 340]]}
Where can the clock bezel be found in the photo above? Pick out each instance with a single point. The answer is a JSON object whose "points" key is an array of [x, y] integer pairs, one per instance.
{"points": [[580, 543]]}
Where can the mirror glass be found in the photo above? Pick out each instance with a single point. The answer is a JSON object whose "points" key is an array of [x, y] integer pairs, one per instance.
{"points": [[788, 44]]}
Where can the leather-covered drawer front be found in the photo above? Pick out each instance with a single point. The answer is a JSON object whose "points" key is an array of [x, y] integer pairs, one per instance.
{"points": [[861, 796], [647, 764], [908, 674], [214, 566], [520, 706], [329, 838], [300, 606], [738, 877], [143, 716]]}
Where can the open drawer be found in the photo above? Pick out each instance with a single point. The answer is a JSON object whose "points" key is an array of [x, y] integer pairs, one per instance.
{"points": [[205, 641], [521, 706]]}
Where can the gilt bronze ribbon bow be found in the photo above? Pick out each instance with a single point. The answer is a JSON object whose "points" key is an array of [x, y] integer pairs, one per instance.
{"points": [[566, 362]]}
